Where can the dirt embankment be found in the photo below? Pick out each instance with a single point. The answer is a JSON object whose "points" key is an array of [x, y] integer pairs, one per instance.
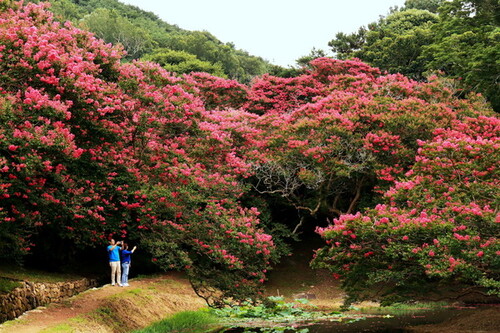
{"points": [[112, 309]]}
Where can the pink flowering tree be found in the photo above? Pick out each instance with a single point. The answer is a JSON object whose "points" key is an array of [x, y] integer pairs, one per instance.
{"points": [[189, 216], [276, 94], [335, 154], [57, 130], [92, 148], [439, 225], [217, 93]]}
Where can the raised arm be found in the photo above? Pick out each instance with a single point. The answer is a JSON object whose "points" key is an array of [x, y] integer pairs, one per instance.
{"points": [[115, 245]]}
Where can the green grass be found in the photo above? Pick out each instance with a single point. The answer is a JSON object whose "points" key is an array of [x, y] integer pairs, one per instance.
{"points": [[20, 273], [183, 322], [7, 285], [59, 329], [104, 315], [399, 309]]}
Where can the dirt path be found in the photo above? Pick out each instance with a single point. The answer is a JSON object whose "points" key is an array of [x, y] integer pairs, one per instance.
{"points": [[169, 294], [57, 313]]}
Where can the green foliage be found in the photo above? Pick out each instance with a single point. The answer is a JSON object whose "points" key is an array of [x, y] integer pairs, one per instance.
{"points": [[344, 45], [285, 72], [141, 33], [394, 43], [187, 321], [113, 28], [274, 315], [461, 41], [237, 64], [67, 10], [272, 308], [405, 308], [465, 46], [275, 330], [430, 5], [7, 285], [183, 62], [305, 60]]}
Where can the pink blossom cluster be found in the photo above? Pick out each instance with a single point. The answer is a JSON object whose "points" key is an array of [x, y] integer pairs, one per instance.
{"points": [[439, 221]]}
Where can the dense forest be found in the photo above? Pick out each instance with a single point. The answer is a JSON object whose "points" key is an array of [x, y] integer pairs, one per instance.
{"points": [[214, 161]]}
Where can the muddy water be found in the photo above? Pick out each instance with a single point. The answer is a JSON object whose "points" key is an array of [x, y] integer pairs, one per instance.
{"points": [[370, 324]]}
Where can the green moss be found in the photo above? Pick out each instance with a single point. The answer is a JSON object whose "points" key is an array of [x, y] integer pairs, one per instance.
{"points": [[7, 285]]}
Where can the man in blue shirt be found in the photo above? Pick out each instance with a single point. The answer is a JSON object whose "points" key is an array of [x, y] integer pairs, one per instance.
{"points": [[126, 263], [114, 262]]}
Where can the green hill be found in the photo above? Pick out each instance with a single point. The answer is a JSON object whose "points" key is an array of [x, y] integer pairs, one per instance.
{"points": [[144, 35]]}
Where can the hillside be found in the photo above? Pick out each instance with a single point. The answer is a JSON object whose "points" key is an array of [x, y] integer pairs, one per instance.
{"points": [[144, 34]]}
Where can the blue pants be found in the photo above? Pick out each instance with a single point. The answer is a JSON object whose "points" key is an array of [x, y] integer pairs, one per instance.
{"points": [[125, 269]]}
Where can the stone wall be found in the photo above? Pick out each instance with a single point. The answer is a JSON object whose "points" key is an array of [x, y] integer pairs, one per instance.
{"points": [[31, 295]]}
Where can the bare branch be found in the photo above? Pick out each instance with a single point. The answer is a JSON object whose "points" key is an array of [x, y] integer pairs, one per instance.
{"points": [[355, 200], [298, 225]]}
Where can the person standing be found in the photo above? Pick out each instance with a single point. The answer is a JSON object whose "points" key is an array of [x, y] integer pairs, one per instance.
{"points": [[126, 263], [114, 261]]}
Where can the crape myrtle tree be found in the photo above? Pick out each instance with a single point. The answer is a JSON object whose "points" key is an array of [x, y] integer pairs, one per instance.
{"points": [[217, 93], [438, 225], [91, 148], [336, 137], [433, 156]]}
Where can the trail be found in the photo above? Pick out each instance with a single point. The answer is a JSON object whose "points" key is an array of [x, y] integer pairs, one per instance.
{"points": [[174, 290]]}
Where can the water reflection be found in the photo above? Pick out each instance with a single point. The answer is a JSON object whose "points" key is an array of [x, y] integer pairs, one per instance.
{"points": [[377, 324]]}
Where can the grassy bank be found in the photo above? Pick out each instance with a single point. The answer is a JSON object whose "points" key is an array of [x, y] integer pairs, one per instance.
{"points": [[187, 321], [113, 309], [10, 277]]}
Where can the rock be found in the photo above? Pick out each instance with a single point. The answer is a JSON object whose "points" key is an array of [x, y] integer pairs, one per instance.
{"points": [[32, 295], [304, 296]]}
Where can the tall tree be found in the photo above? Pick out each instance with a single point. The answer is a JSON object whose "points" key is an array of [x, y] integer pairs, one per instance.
{"points": [[460, 41], [466, 46], [394, 43], [113, 28], [430, 5]]}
